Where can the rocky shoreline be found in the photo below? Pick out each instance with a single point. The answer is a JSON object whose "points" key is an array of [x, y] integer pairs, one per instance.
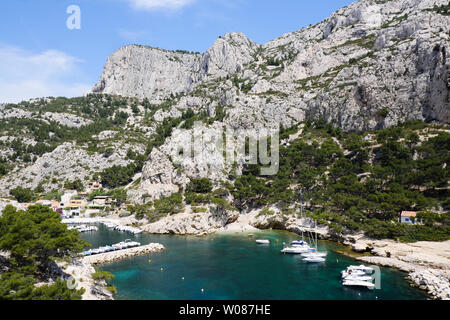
{"points": [[427, 263], [78, 273]]}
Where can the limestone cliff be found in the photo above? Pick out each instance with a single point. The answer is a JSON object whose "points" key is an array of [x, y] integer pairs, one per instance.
{"points": [[369, 65]]}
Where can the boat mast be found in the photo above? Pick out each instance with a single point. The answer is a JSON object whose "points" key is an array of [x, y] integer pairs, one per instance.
{"points": [[300, 197], [315, 231]]}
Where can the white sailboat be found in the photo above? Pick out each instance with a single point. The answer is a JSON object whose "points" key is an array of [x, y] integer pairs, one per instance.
{"points": [[314, 256], [299, 243], [295, 250], [298, 246]]}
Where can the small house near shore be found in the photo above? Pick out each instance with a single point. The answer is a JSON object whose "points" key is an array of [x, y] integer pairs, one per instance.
{"points": [[409, 217]]}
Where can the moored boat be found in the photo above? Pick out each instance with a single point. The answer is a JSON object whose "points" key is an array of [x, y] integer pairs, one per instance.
{"points": [[314, 254], [314, 259], [295, 250], [359, 283]]}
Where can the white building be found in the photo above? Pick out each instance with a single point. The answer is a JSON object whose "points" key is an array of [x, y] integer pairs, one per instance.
{"points": [[67, 196]]}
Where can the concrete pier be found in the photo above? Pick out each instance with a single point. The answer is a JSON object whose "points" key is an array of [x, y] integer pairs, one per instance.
{"points": [[123, 254]]}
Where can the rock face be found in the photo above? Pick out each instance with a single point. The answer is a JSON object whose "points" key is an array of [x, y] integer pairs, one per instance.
{"points": [[64, 119], [193, 224], [368, 57], [147, 72], [370, 65], [228, 55], [159, 179], [58, 165]]}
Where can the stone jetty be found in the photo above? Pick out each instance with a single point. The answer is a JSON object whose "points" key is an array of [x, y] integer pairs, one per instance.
{"points": [[123, 254]]}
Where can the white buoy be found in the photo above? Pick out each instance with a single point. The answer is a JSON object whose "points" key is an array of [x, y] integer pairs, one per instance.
{"points": [[203, 290]]}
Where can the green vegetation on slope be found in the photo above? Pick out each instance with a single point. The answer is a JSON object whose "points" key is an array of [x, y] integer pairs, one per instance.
{"points": [[34, 238], [360, 185]]}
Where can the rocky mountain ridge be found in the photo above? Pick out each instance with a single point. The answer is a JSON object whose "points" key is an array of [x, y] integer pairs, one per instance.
{"points": [[369, 65]]}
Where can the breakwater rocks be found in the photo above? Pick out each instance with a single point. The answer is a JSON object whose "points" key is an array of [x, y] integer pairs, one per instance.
{"points": [[435, 282], [123, 254]]}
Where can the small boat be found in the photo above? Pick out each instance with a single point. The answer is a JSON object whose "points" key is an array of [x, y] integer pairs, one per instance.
{"points": [[102, 249], [357, 270], [109, 225], [356, 278], [314, 259], [299, 243], [363, 268], [263, 241], [133, 244], [118, 246], [95, 251], [302, 246], [295, 250], [314, 254], [356, 273], [109, 248], [359, 283]]}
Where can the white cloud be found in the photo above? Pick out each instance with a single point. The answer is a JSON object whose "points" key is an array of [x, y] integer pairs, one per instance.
{"points": [[25, 75], [159, 4]]}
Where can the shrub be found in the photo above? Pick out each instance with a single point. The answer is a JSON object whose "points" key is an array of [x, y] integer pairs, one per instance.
{"points": [[117, 176], [267, 212], [383, 113], [22, 194], [102, 275], [203, 185], [169, 205], [74, 185], [199, 209], [112, 289]]}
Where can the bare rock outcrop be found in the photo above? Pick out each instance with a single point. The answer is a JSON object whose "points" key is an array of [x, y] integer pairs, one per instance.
{"points": [[190, 223], [159, 179]]}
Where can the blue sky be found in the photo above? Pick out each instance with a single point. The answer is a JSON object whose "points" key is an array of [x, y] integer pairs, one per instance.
{"points": [[40, 56]]}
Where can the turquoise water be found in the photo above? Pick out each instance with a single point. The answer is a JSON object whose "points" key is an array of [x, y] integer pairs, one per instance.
{"points": [[232, 266]]}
